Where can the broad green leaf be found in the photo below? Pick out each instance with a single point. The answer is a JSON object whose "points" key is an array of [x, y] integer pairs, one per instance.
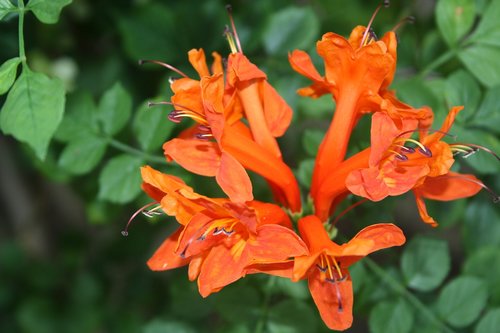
{"points": [[425, 263], [454, 19], [417, 94], [6, 7], [47, 11], [149, 33], [316, 108], [33, 110], [36, 315], [489, 323], [229, 304], [482, 61], [391, 317], [8, 72], [164, 326], [481, 161], [488, 116], [120, 179], [358, 275], [296, 290], [305, 171], [462, 300], [151, 127], [80, 118], [488, 30], [82, 154], [480, 229], [289, 29], [189, 305], [115, 108], [311, 140], [463, 89], [292, 316], [485, 263]]}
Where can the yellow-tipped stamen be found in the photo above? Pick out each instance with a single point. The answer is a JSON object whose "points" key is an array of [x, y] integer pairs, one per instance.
{"points": [[337, 267], [412, 141], [365, 40], [233, 27], [230, 40]]}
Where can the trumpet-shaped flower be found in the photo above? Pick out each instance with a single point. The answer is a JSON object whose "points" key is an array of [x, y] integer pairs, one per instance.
{"points": [[326, 267]]}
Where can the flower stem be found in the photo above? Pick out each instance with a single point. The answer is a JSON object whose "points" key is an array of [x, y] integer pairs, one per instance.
{"points": [[131, 150], [437, 62], [412, 299], [22, 52]]}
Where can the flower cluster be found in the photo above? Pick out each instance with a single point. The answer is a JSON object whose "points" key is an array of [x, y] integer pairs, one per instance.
{"points": [[237, 117]]}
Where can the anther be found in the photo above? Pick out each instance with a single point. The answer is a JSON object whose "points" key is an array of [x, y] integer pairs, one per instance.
{"points": [[172, 68], [203, 136], [174, 116], [402, 157], [407, 150], [125, 231], [321, 268], [150, 104], [229, 9], [408, 19], [368, 27], [425, 151]]}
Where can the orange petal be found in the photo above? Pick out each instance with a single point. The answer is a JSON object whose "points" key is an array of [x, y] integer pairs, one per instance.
{"points": [[383, 132], [445, 128], [217, 67], [199, 62], [199, 157], [277, 112], [240, 70], [268, 213], [451, 186], [233, 179], [275, 243], [314, 235], [164, 257], [282, 269], [334, 301], [422, 210]]}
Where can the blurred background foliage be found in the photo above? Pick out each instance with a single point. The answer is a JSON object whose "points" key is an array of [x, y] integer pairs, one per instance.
{"points": [[64, 266]]}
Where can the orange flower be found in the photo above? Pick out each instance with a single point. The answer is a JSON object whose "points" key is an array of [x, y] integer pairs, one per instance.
{"points": [[326, 266], [220, 239]]}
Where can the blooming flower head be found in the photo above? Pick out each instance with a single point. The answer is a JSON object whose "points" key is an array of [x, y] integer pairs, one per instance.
{"points": [[326, 267]]}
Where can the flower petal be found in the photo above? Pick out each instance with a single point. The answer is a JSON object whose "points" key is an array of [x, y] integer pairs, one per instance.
{"points": [[199, 157], [233, 179], [164, 257], [451, 186]]}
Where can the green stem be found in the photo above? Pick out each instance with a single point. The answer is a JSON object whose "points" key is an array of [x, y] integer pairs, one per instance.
{"points": [[22, 52], [438, 62], [412, 299], [259, 328], [131, 150]]}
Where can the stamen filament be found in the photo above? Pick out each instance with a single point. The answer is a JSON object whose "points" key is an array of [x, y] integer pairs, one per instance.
{"points": [[367, 30], [230, 40], [412, 141], [408, 19], [125, 231], [229, 9], [345, 211], [172, 68]]}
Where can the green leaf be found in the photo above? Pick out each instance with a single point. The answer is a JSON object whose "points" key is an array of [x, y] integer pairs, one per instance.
{"points": [[482, 161], [480, 229], [5, 8], [8, 72], [80, 118], [289, 29], [488, 30], [163, 326], [391, 317], [297, 290], [151, 127], [229, 303], [142, 31], [485, 263], [454, 19], [462, 300], [488, 116], [82, 154], [425, 263], [33, 110], [489, 323], [415, 92], [311, 141], [463, 89], [292, 316], [115, 108], [482, 62], [120, 179], [305, 171], [47, 11]]}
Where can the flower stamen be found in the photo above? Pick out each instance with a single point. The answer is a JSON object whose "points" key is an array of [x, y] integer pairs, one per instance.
{"points": [[172, 68], [365, 40], [140, 210]]}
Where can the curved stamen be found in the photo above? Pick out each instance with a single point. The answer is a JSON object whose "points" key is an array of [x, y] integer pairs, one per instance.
{"points": [[172, 68], [140, 210], [470, 146], [203, 136], [495, 197], [368, 27], [419, 144], [408, 19], [230, 39], [229, 9], [345, 211], [425, 151]]}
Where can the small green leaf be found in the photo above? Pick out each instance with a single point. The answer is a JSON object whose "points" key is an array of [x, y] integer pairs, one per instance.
{"points": [[115, 108], [455, 18], [482, 62], [311, 141], [229, 303], [6, 7], [292, 316], [489, 323], [120, 179], [425, 263], [305, 171], [80, 118], [296, 290], [8, 72], [48, 11], [479, 229], [462, 300], [416, 92], [488, 116], [33, 110], [289, 29], [82, 154], [151, 127], [485, 263], [488, 30], [163, 326], [463, 89], [391, 317]]}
